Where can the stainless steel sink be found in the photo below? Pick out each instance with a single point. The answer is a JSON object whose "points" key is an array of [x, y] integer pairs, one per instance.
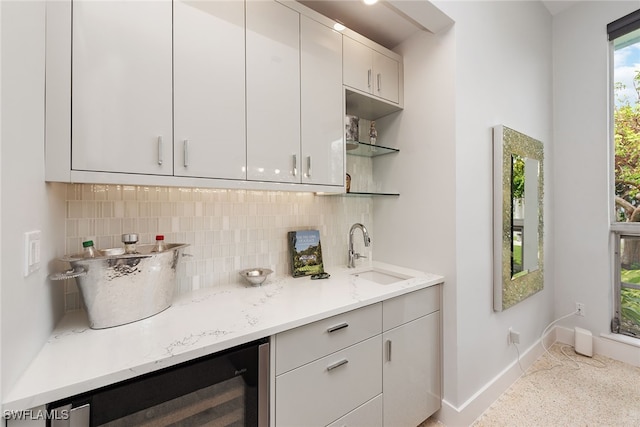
{"points": [[381, 277]]}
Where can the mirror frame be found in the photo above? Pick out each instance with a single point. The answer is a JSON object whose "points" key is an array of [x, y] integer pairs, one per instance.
{"points": [[508, 290]]}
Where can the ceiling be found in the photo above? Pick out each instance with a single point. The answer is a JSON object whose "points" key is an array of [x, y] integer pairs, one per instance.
{"points": [[383, 23], [379, 22]]}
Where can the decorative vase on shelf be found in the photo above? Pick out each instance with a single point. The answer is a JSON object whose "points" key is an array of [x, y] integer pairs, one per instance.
{"points": [[373, 133], [348, 183], [352, 128]]}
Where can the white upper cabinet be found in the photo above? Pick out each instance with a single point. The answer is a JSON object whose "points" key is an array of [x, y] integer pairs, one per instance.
{"points": [[322, 104], [370, 71], [122, 87], [273, 92], [209, 77]]}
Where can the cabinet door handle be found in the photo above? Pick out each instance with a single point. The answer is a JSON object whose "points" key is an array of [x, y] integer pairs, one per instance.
{"points": [[295, 165], [337, 364], [388, 350], [337, 327], [186, 153], [309, 167], [369, 71], [160, 156], [379, 77]]}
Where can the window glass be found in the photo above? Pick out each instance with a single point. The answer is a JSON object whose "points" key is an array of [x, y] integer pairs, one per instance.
{"points": [[626, 80], [626, 130], [627, 319]]}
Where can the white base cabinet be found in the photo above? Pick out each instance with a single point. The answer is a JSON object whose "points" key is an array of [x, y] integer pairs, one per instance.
{"points": [[375, 366], [410, 372]]}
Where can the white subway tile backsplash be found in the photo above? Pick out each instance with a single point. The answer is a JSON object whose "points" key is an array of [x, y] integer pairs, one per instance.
{"points": [[227, 230]]}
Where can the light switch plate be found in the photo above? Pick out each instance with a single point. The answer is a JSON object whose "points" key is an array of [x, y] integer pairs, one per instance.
{"points": [[31, 252]]}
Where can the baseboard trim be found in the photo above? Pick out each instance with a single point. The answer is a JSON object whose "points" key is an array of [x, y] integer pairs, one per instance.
{"points": [[469, 411], [465, 414], [615, 346]]}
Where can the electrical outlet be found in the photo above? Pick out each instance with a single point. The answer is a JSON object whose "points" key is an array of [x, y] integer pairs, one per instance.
{"points": [[514, 337], [580, 309]]}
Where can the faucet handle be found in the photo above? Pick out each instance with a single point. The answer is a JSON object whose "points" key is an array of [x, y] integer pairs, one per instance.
{"points": [[358, 256]]}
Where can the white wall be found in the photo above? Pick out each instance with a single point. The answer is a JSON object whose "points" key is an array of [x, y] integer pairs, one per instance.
{"points": [[1, 377], [500, 74], [417, 229], [31, 305], [503, 76], [581, 151]]}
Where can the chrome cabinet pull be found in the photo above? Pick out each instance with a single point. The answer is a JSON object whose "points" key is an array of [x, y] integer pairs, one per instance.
{"points": [[186, 153], [160, 158], [379, 82], [309, 166], [369, 71], [337, 327], [337, 364], [388, 350], [295, 165]]}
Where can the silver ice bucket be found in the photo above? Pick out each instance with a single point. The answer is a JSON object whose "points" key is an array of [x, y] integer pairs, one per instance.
{"points": [[124, 288]]}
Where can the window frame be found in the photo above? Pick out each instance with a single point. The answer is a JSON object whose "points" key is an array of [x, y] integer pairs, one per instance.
{"points": [[618, 230]]}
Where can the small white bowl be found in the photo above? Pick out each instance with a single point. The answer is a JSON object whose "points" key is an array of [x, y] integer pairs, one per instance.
{"points": [[256, 276]]}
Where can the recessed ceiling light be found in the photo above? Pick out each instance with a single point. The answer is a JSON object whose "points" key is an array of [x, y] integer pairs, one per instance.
{"points": [[370, 2]]}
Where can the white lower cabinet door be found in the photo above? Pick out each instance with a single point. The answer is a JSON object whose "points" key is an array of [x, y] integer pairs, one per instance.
{"points": [[273, 92], [411, 371], [320, 392], [367, 415], [122, 87], [209, 102]]}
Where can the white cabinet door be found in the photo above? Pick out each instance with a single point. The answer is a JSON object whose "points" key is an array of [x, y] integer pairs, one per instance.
{"points": [[273, 92], [121, 86], [321, 100], [385, 79], [370, 71], [357, 63], [209, 102], [411, 371]]}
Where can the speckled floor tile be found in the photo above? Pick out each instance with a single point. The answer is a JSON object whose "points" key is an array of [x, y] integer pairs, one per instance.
{"points": [[571, 390]]}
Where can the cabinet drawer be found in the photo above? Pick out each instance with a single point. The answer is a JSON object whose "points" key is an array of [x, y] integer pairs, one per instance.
{"points": [[323, 391], [367, 415], [310, 342], [408, 307]]}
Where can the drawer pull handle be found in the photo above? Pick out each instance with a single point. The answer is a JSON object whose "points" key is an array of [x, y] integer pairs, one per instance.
{"points": [[388, 350], [338, 327], [337, 364]]}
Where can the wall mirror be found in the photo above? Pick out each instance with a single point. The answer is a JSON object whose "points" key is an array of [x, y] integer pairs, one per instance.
{"points": [[517, 217]]}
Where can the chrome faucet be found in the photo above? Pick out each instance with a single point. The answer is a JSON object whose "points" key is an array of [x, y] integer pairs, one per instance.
{"points": [[353, 256]]}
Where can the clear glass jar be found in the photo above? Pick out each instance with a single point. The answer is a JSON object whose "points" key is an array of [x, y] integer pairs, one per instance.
{"points": [[160, 246], [130, 240], [89, 251]]}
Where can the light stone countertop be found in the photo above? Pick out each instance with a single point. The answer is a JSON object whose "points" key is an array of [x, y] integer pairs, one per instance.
{"points": [[78, 359]]}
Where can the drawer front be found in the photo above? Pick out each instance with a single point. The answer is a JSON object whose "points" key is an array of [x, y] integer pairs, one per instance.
{"points": [[307, 343], [367, 415], [320, 392], [408, 307]]}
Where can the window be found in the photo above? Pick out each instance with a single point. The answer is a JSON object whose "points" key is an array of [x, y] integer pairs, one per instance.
{"points": [[624, 36]]}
